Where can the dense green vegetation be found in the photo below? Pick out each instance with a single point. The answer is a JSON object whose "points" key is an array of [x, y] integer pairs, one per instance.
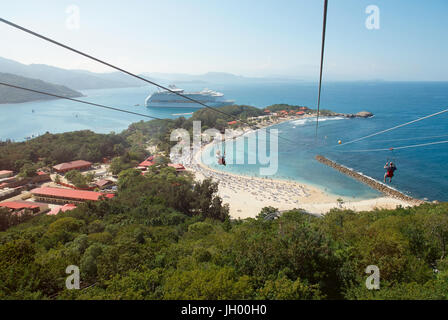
{"points": [[157, 132], [287, 107], [50, 149], [283, 106], [78, 179], [12, 95], [167, 237], [9, 219]]}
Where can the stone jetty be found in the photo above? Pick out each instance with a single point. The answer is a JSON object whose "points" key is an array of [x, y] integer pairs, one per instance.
{"points": [[383, 188]]}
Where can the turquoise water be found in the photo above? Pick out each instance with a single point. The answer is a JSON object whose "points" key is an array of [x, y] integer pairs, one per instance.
{"points": [[422, 172], [295, 160], [58, 115]]}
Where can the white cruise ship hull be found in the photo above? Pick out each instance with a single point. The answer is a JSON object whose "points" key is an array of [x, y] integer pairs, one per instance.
{"points": [[187, 104], [166, 99]]}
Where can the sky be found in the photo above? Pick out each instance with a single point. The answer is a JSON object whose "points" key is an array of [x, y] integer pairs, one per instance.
{"points": [[261, 38]]}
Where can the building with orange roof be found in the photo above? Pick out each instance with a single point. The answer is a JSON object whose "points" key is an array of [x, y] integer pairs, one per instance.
{"points": [[5, 174], [179, 167], [148, 162], [64, 196], [20, 205], [64, 208], [72, 165]]}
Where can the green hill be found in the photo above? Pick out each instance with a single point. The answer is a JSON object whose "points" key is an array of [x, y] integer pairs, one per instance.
{"points": [[12, 95]]}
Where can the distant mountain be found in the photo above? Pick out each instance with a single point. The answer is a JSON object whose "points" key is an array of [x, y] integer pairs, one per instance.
{"points": [[76, 79], [12, 95], [210, 77]]}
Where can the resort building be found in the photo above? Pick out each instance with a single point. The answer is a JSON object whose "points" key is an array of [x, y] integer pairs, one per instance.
{"points": [[64, 196], [72, 165], [6, 193], [103, 183], [65, 207], [19, 206], [152, 161], [147, 163], [179, 167], [41, 177], [5, 174]]}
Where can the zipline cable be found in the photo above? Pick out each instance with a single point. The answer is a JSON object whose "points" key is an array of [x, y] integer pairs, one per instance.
{"points": [[396, 148], [324, 27], [80, 101], [107, 64], [396, 127], [407, 139], [125, 71]]}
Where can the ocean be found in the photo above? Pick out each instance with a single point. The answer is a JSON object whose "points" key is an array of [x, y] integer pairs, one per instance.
{"points": [[422, 172]]}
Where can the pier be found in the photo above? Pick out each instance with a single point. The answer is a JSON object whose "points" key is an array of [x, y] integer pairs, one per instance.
{"points": [[381, 187]]}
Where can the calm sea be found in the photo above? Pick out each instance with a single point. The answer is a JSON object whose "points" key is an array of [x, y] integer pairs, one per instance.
{"points": [[422, 172]]}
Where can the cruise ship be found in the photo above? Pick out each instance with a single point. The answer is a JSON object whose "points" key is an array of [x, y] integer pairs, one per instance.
{"points": [[167, 99]]}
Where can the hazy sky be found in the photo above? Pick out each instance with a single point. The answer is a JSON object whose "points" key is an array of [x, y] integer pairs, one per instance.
{"points": [[246, 37]]}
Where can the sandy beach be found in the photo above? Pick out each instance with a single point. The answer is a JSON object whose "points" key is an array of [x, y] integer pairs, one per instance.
{"points": [[247, 195]]}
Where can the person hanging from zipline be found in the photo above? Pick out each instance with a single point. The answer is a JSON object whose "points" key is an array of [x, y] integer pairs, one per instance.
{"points": [[222, 158], [390, 169]]}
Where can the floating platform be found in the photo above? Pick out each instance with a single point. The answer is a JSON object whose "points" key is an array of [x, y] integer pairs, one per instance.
{"points": [[381, 187]]}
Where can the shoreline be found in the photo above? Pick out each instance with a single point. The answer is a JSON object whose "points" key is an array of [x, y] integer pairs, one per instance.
{"points": [[247, 195]]}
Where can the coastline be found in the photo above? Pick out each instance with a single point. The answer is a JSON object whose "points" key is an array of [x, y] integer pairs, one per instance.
{"points": [[247, 195]]}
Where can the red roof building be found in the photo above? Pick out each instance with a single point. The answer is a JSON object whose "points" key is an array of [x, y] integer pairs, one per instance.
{"points": [[232, 122], [267, 111], [103, 183], [19, 205], [300, 113], [72, 165], [65, 207], [179, 167], [59, 195], [5, 173], [148, 162]]}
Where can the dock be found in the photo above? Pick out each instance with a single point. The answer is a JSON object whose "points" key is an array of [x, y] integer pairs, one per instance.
{"points": [[381, 187]]}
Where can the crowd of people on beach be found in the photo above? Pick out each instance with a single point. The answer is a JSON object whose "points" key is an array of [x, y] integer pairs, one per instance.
{"points": [[260, 189]]}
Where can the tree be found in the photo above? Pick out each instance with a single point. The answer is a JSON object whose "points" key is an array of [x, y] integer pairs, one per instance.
{"points": [[28, 170], [285, 289], [266, 211], [77, 178]]}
